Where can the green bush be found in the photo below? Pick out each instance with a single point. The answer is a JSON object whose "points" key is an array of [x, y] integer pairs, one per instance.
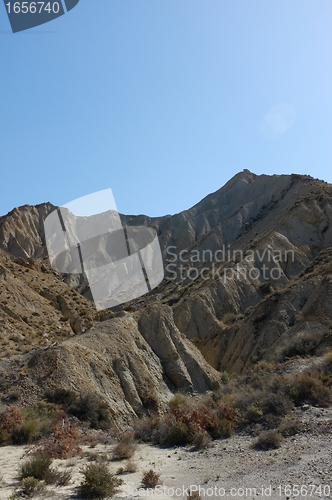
{"points": [[60, 396], [37, 466], [30, 485], [27, 432], [53, 476], [308, 387], [98, 482], [224, 377], [303, 344], [179, 434], [289, 427], [177, 399], [5, 438], [37, 423], [201, 440], [90, 408], [268, 440]]}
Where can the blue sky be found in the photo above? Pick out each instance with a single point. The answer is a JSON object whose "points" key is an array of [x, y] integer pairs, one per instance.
{"points": [[164, 100]]}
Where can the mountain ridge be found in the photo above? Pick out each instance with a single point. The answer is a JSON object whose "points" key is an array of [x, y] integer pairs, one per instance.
{"points": [[226, 318]]}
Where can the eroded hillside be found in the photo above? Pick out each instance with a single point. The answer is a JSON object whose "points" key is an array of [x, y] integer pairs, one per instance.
{"points": [[248, 270]]}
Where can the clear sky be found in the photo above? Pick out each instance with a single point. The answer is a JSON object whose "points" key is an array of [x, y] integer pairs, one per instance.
{"points": [[164, 100]]}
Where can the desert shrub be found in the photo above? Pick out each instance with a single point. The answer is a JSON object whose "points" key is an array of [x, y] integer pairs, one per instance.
{"points": [[147, 428], [31, 485], [213, 417], [268, 440], [308, 387], [37, 466], [37, 423], [150, 400], [263, 366], [53, 476], [150, 479], [120, 470], [326, 365], [60, 396], [328, 358], [126, 446], [186, 423], [90, 408], [276, 403], [123, 450], [289, 427], [26, 433], [265, 287], [131, 467], [224, 377], [177, 399], [5, 438], [127, 437], [179, 434], [303, 344], [231, 317], [265, 406], [98, 482], [62, 441], [193, 495], [10, 418], [201, 440]]}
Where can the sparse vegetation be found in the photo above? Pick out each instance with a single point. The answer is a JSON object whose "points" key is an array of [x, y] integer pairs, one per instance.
{"points": [[188, 423]]}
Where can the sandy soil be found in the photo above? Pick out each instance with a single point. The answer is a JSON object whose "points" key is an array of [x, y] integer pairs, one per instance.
{"points": [[230, 468]]}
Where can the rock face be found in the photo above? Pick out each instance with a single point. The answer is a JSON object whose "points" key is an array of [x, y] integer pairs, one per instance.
{"points": [[181, 362], [248, 269], [133, 365], [22, 231]]}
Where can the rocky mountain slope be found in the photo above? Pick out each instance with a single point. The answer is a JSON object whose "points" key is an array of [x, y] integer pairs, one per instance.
{"points": [[248, 271]]}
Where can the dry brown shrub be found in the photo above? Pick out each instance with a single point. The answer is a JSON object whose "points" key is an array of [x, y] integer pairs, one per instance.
{"points": [[123, 450], [62, 442], [10, 419], [150, 479]]}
